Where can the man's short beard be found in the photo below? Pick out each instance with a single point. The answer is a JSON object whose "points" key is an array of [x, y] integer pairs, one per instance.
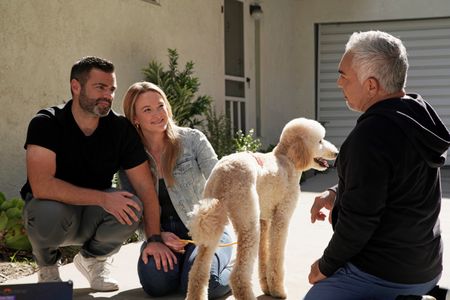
{"points": [[101, 112], [90, 105], [351, 108]]}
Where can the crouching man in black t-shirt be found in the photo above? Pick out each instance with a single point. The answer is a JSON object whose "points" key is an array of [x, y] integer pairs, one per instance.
{"points": [[72, 152]]}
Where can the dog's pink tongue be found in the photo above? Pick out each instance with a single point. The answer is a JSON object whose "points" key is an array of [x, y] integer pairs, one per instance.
{"points": [[322, 162]]}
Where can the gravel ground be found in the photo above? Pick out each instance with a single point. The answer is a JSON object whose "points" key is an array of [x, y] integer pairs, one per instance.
{"points": [[12, 270], [15, 264]]}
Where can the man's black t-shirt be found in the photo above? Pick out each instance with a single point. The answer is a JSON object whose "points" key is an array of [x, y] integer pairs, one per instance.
{"points": [[85, 161]]}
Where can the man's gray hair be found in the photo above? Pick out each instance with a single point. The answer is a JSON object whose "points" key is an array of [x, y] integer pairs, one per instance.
{"points": [[380, 55]]}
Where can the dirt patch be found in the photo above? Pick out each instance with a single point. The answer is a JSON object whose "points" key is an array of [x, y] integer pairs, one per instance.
{"points": [[9, 270], [16, 264]]}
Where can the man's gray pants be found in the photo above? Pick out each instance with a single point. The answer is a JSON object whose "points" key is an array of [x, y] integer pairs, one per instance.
{"points": [[52, 224]]}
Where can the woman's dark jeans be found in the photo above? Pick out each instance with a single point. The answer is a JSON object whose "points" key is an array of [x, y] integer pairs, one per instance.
{"points": [[158, 283]]}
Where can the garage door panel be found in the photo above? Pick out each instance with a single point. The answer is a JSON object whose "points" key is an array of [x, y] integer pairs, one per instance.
{"points": [[429, 83], [435, 52], [428, 45], [429, 72]]}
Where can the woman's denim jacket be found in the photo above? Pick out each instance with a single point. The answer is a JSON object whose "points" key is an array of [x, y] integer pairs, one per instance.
{"points": [[193, 166]]}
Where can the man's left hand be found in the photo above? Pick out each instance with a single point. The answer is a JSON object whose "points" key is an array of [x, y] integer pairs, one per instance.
{"points": [[315, 275]]}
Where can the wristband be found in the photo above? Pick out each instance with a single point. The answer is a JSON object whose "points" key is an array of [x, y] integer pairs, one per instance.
{"points": [[155, 238]]}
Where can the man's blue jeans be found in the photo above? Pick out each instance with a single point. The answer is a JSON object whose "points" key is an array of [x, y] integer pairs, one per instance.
{"points": [[350, 283], [158, 283]]}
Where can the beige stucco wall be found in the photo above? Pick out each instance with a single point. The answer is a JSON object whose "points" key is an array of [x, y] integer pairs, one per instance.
{"points": [[41, 39], [289, 78], [281, 96]]}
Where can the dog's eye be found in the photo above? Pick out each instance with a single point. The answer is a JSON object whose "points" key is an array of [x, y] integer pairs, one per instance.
{"points": [[320, 142]]}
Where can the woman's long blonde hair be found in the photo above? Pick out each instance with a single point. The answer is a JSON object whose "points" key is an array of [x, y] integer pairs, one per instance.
{"points": [[172, 147]]}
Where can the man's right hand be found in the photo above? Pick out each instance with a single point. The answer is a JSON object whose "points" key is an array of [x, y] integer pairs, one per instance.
{"points": [[324, 200], [120, 204]]}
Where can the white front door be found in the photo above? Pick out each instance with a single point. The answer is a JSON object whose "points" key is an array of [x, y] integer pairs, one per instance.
{"points": [[239, 88]]}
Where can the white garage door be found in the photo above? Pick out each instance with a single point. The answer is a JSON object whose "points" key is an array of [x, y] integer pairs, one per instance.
{"points": [[428, 45]]}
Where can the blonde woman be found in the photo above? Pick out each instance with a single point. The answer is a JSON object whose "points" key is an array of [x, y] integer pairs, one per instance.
{"points": [[181, 160]]}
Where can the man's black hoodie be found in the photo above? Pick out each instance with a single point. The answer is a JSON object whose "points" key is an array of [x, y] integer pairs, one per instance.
{"points": [[385, 216]]}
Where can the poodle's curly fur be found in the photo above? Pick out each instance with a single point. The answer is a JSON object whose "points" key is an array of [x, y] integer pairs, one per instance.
{"points": [[258, 193]]}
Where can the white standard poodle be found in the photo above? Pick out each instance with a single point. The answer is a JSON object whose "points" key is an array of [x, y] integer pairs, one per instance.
{"points": [[258, 192]]}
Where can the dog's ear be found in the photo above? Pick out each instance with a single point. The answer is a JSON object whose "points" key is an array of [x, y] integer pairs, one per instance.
{"points": [[299, 153], [294, 147]]}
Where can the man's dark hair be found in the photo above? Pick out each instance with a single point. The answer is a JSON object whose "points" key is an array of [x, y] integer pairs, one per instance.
{"points": [[81, 68]]}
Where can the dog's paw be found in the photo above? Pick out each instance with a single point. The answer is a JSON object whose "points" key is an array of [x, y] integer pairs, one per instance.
{"points": [[264, 286], [243, 294], [281, 294], [276, 284], [266, 291], [196, 297], [278, 291]]}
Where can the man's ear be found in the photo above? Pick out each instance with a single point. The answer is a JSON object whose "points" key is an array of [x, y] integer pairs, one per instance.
{"points": [[373, 86], [75, 86]]}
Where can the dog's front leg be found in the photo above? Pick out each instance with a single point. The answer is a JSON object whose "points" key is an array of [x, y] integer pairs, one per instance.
{"points": [[263, 255], [277, 242]]}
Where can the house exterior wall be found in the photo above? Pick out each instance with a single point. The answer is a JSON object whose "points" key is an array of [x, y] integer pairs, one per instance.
{"points": [[311, 12], [41, 39], [288, 50], [282, 96]]}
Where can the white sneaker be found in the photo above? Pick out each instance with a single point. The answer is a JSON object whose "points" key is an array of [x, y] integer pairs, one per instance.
{"points": [[49, 274], [97, 273]]}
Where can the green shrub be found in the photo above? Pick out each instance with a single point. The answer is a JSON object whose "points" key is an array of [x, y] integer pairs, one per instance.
{"points": [[218, 132], [12, 231], [180, 87], [246, 142], [189, 110]]}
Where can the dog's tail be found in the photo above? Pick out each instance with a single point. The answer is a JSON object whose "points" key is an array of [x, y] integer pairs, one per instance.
{"points": [[208, 220]]}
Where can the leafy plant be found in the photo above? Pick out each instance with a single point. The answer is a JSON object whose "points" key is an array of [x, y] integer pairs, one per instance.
{"points": [[180, 87], [246, 142], [12, 231], [218, 131]]}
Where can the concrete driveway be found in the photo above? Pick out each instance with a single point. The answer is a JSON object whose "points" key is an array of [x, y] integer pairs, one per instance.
{"points": [[306, 243]]}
